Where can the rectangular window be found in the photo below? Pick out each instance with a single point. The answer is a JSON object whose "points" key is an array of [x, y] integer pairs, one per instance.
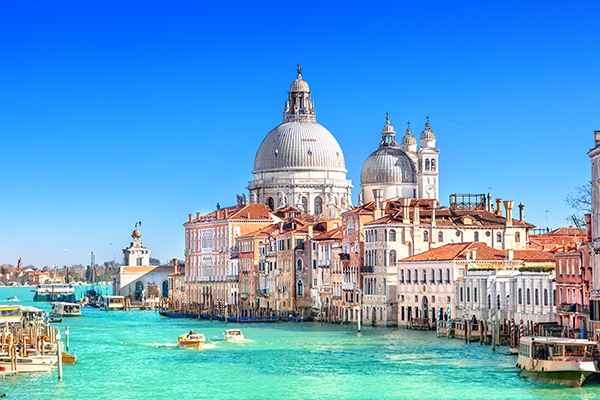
{"points": [[289, 243], [408, 276], [433, 299], [314, 264], [401, 276]]}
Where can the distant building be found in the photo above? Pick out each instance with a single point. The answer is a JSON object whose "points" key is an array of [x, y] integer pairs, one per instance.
{"points": [[137, 278], [573, 286], [558, 237], [594, 226]]}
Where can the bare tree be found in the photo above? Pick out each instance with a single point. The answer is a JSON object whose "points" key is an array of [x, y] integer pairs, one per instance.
{"points": [[580, 203]]}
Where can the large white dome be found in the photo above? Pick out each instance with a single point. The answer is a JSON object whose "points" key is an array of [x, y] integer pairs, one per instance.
{"points": [[299, 146]]}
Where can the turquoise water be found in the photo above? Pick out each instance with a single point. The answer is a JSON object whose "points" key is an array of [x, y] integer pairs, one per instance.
{"points": [[131, 355]]}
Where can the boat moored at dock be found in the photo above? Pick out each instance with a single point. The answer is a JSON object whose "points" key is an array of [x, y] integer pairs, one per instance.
{"points": [[563, 361], [10, 314], [113, 303]]}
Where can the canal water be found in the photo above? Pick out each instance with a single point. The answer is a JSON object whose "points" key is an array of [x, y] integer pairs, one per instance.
{"points": [[132, 355]]}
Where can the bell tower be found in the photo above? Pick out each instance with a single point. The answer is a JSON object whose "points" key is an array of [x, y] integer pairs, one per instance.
{"points": [[428, 166]]}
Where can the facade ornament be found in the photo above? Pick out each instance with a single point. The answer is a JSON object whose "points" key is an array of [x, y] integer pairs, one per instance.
{"points": [[254, 197], [282, 200], [360, 199]]}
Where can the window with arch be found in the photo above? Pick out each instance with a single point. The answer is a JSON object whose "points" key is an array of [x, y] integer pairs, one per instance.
{"points": [[489, 301], [440, 237], [554, 296], [392, 235], [517, 237], [299, 265], [476, 237], [499, 237], [537, 297], [475, 295], [426, 236], [300, 289], [427, 164], [318, 206], [271, 203], [545, 297], [304, 204], [461, 294], [468, 295], [385, 235], [433, 165], [392, 257], [498, 301], [520, 296], [528, 297]]}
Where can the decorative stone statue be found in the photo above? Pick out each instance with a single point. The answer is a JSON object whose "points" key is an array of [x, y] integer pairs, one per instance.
{"points": [[254, 197], [282, 200], [360, 199]]}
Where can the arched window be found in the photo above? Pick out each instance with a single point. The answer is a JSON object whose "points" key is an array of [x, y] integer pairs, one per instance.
{"points": [[528, 297], [545, 297], [475, 295], [554, 296], [517, 237], [498, 301], [440, 237], [537, 297], [318, 206], [476, 237], [392, 235], [299, 265], [271, 203], [433, 165], [304, 204], [520, 296], [385, 235], [468, 295], [461, 294], [426, 236], [489, 301], [427, 164], [393, 257], [300, 291], [498, 237], [408, 276]]}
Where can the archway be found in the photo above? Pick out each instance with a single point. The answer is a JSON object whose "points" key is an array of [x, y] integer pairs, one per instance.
{"points": [[165, 289], [425, 307], [139, 291]]}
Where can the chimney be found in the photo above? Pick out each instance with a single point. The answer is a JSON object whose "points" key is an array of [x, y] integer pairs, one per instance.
{"points": [[474, 254], [190, 218], [508, 206], [405, 209], [280, 226], [175, 264], [499, 206], [510, 254], [198, 216], [596, 138], [433, 207], [588, 221], [521, 207], [225, 211], [310, 231], [416, 217], [489, 202], [378, 212]]}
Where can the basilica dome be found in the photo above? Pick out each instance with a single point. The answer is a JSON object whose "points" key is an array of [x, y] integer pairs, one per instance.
{"points": [[299, 145], [388, 164]]}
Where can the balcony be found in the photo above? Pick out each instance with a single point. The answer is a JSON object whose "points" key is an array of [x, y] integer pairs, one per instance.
{"points": [[349, 286], [573, 308], [325, 289], [232, 278], [344, 257], [368, 269], [263, 292], [324, 263]]}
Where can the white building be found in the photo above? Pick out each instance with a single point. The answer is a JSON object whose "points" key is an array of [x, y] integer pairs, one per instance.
{"points": [[299, 163], [506, 294], [594, 246], [137, 278], [402, 173]]}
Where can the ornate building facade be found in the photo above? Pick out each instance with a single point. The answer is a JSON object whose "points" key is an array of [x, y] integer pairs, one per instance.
{"points": [[299, 163]]}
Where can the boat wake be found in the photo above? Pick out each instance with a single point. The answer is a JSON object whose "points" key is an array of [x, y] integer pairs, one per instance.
{"points": [[160, 344]]}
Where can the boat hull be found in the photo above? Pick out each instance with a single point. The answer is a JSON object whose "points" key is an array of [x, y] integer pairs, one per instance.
{"points": [[189, 344], [569, 378], [67, 298]]}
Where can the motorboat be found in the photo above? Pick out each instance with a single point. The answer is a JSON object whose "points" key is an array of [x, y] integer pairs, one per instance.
{"points": [[54, 290], [564, 361], [113, 303], [26, 364], [233, 335], [61, 309], [10, 314], [11, 299], [191, 339]]}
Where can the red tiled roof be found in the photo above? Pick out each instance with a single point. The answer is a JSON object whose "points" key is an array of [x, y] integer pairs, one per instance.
{"points": [[238, 212], [335, 233], [459, 251]]}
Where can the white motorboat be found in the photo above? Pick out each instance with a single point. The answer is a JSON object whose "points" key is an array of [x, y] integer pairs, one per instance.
{"points": [[112, 303], [61, 309], [557, 360], [26, 365], [233, 335]]}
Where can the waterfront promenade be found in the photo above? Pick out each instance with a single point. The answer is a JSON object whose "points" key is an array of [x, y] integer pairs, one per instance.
{"points": [[131, 355]]}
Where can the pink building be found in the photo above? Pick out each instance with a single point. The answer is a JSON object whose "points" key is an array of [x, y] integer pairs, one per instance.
{"points": [[573, 286]]}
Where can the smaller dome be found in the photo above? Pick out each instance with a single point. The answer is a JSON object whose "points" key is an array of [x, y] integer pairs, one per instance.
{"points": [[409, 139], [388, 165], [427, 134], [299, 85]]}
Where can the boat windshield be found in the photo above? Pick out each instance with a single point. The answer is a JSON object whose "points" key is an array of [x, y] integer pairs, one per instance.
{"points": [[10, 312]]}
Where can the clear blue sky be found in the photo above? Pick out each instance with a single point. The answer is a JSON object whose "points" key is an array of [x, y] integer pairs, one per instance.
{"points": [[115, 112]]}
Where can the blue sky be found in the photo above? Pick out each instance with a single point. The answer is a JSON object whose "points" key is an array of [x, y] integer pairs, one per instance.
{"points": [[117, 112]]}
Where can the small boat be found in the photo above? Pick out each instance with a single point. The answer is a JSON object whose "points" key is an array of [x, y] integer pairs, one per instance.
{"points": [[61, 309], [513, 350], [233, 335], [68, 358], [26, 365], [10, 314], [557, 360], [14, 298], [191, 339], [112, 303], [55, 320]]}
